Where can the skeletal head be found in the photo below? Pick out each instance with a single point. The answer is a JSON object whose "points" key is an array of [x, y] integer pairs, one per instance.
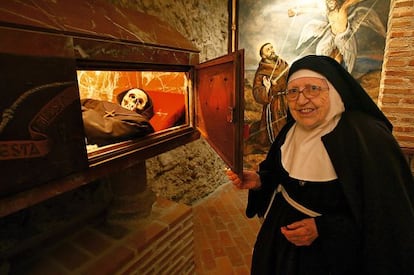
{"points": [[134, 100]]}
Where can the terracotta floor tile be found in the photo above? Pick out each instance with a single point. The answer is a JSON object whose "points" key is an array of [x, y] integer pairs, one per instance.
{"points": [[223, 235], [218, 248], [224, 266], [207, 259], [225, 238]]}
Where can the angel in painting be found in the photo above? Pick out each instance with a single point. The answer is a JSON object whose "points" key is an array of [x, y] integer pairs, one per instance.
{"points": [[336, 34]]}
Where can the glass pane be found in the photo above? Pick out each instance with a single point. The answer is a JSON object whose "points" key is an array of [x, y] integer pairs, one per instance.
{"points": [[124, 105]]}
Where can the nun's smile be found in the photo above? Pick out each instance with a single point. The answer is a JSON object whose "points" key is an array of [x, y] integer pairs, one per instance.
{"points": [[308, 100]]}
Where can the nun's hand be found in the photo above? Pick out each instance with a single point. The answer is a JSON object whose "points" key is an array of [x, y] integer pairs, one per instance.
{"points": [[250, 179], [301, 233]]}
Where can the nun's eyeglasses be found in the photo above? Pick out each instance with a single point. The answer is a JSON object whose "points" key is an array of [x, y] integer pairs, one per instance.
{"points": [[309, 91]]}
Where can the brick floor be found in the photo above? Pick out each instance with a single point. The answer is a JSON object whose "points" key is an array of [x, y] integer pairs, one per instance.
{"points": [[223, 235]]}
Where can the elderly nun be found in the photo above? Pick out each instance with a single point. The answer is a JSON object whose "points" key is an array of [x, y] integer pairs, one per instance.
{"points": [[335, 192]]}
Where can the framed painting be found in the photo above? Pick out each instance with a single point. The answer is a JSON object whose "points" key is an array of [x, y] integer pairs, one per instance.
{"points": [[351, 31]]}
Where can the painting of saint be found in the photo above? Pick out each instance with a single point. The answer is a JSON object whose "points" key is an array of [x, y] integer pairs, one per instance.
{"points": [[351, 31]]}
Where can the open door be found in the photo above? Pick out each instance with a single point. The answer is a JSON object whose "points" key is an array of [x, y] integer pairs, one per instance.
{"points": [[219, 98]]}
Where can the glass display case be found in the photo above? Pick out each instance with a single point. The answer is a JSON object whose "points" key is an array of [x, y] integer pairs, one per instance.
{"points": [[89, 89]]}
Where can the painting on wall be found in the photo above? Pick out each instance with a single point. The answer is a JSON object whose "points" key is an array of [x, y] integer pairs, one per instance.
{"points": [[351, 31]]}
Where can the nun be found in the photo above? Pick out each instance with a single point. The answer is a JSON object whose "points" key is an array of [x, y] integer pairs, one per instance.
{"points": [[335, 192]]}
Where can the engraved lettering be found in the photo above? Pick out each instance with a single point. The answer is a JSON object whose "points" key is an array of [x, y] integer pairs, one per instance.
{"points": [[17, 150], [3, 150]]}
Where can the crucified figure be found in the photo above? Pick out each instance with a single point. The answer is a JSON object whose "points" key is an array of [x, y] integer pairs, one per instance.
{"points": [[336, 34]]}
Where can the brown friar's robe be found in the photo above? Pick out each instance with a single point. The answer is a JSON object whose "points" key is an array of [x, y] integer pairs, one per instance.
{"points": [[277, 113]]}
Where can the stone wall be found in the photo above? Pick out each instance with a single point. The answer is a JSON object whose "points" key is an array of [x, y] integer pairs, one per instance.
{"points": [[203, 22]]}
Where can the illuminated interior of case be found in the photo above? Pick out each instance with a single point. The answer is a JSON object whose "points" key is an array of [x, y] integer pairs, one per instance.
{"points": [[168, 92]]}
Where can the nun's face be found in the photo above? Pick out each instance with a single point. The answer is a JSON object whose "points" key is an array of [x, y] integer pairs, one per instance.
{"points": [[311, 104]]}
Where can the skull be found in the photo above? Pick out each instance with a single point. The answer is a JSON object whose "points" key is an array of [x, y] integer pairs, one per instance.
{"points": [[134, 100]]}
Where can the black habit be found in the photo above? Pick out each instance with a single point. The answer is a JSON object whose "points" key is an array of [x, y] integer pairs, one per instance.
{"points": [[377, 184], [373, 174]]}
